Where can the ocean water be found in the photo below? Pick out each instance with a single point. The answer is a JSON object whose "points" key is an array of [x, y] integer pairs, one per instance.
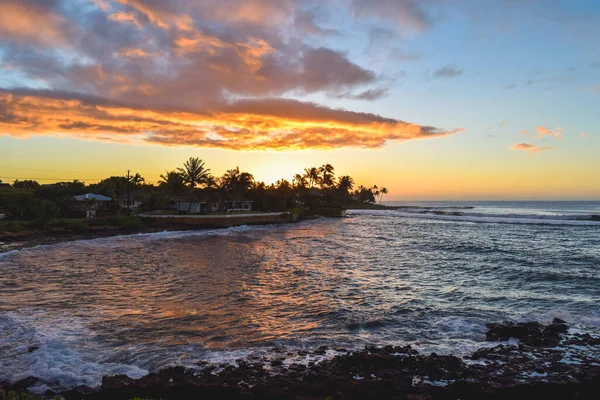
{"points": [[429, 274]]}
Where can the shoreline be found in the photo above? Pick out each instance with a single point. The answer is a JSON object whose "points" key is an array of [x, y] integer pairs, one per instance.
{"points": [[166, 223], [548, 362]]}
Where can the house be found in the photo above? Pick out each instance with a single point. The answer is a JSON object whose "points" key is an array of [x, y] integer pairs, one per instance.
{"points": [[238, 205], [90, 203], [132, 203], [197, 207]]}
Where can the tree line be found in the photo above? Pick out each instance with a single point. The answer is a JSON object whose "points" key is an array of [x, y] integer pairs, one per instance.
{"points": [[191, 182]]}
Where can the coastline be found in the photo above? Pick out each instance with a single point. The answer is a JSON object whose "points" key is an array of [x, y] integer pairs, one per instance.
{"points": [[150, 224], [549, 361]]}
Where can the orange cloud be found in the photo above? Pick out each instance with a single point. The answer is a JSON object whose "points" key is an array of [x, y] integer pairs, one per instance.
{"points": [[126, 17], [245, 125], [548, 132], [153, 16], [530, 147], [30, 23], [135, 52], [525, 132]]}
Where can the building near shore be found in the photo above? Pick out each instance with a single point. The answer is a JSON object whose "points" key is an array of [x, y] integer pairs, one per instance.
{"points": [[91, 203]]}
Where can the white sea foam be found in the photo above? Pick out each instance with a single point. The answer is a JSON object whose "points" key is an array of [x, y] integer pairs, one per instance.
{"points": [[527, 219], [62, 355]]}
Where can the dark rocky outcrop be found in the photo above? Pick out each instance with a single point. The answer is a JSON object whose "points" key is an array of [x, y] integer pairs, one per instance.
{"points": [[532, 369]]}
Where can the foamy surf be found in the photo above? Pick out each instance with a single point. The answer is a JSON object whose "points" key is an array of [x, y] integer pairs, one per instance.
{"points": [[526, 219]]}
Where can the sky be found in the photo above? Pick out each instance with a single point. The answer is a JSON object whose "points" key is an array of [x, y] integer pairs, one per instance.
{"points": [[433, 99]]}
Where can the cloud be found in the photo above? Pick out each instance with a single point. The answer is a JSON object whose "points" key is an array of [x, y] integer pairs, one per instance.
{"points": [[214, 73], [449, 71], [543, 131], [29, 22], [508, 87], [525, 132], [582, 135], [126, 17], [404, 13], [597, 88], [529, 147], [503, 123], [242, 125]]}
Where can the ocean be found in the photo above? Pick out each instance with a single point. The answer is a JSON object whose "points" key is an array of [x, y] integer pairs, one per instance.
{"points": [[428, 274]]}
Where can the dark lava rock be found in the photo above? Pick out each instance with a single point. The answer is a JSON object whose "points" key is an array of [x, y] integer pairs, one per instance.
{"points": [[529, 333], [31, 349], [558, 321], [25, 383], [528, 371], [277, 362]]}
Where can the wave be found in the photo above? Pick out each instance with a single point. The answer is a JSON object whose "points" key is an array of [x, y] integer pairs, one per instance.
{"points": [[437, 214], [118, 240]]}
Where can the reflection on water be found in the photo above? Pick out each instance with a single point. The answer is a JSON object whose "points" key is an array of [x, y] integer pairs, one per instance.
{"points": [[148, 301]]}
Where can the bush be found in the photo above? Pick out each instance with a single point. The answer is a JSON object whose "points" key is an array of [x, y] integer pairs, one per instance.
{"points": [[97, 222], [125, 222], [77, 226], [14, 227]]}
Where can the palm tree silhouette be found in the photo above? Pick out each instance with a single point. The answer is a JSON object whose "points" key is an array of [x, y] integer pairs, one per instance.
{"points": [[327, 175], [299, 181], [312, 176], [381, 193], [194, 174], [345, 184], [173, 184]]}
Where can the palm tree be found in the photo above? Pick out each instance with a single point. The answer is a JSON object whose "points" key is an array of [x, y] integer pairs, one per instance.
{"points": [[137, 179], [345, 184], [237, 183], [327, 175], [381, 193], [375, 191], [299, 181], [312, 176], [173, 184], [194, 174]]}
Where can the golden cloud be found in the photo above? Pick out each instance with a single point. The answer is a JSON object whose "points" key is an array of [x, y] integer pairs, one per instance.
{"points": [[276, 124], [543, 131], [530, 147]]}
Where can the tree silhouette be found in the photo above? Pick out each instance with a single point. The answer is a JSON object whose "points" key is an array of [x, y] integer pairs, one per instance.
{"points": [[381, 193], [327, 175], [345, 184], [173, 184], [312, 176], [194, 174]]}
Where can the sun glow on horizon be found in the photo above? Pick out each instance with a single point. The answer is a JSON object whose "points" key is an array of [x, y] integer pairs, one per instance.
{"points": [[271, 172]]}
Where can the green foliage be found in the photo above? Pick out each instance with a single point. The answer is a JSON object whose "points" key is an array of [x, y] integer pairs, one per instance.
{"points": [[77, 226], [20, 396], [14, 227], [128, 222]]}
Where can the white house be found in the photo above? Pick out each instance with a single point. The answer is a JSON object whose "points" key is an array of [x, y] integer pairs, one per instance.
{"points": [[238, 205], [133, 202]]}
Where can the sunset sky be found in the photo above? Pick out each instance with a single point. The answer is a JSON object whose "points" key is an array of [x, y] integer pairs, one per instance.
{"points": [[434, 99]]}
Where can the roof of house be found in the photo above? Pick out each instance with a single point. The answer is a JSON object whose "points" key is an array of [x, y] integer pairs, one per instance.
{"points": [[92, 196]]}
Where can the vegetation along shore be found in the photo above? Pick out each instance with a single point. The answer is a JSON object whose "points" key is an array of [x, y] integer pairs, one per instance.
{"points": [[34, 214]]}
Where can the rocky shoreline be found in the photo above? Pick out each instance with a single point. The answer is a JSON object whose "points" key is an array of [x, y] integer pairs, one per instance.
{"points": [[545, 361]]}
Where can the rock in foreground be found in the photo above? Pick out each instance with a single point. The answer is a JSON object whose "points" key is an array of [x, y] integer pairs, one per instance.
{"points": [[547, 363]]}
